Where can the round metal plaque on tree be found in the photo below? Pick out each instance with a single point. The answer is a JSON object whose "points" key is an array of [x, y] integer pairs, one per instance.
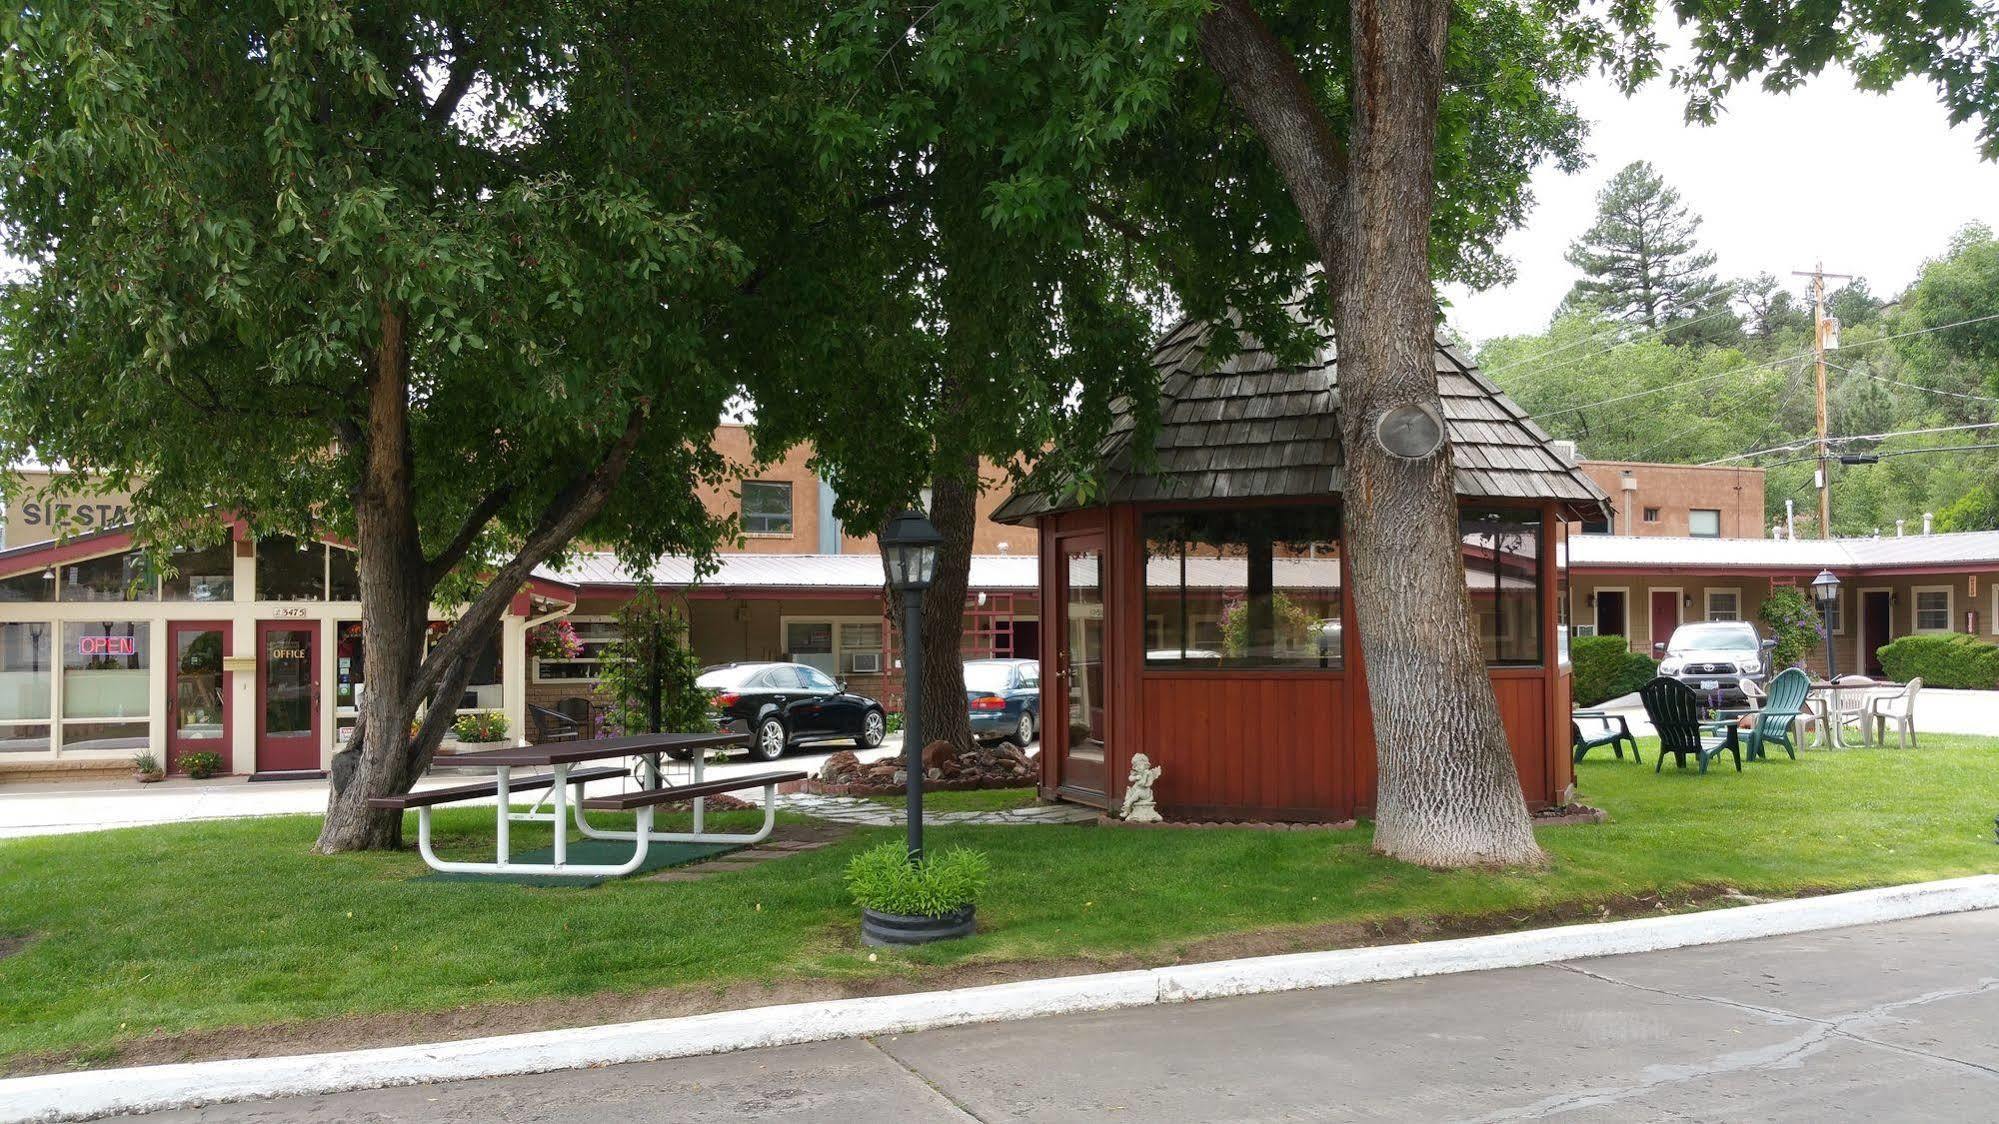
{"points": [[1410, 432]]}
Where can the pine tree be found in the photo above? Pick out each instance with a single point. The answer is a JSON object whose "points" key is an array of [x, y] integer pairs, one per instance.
{"points": [[1640, 260]]}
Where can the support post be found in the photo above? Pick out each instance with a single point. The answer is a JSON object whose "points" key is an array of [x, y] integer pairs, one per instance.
{"points": [[912, 716]]}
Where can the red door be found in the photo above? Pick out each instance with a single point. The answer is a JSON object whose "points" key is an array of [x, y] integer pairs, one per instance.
{"points": [[197, 691], [287, 696], [1665, 616]]}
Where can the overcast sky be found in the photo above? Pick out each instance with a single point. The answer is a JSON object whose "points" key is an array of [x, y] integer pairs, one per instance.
{"points": [[1870, 183]]}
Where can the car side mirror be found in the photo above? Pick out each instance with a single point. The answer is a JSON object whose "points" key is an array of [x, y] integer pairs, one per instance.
{"points": [[1658, 647], [841, 684], [1769, 644]]}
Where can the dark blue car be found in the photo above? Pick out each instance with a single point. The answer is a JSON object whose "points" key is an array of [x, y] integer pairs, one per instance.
{"points": [[1005, 699]]}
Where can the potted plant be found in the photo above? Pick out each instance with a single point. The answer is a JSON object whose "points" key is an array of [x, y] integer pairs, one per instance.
{"points": [[201, 764], [146, 768], [904, 902], [480, 730]]}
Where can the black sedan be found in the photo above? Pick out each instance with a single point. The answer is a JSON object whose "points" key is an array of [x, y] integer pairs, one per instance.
{"points": [[785, 704], [1005, 699]]}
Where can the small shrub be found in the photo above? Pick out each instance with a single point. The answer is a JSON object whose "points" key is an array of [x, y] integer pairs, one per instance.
{"points": [[1606, 667], [1948, 660], [894, 722], [144, 763], [480, 726], [1793, 623], [201, 764], [883, 879]]}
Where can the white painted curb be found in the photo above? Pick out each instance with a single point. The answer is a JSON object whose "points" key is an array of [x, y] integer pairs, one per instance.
{"points": [[81, 1096]]}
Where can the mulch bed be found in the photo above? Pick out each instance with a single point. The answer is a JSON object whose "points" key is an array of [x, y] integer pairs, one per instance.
{"points": [[1570, 814]]}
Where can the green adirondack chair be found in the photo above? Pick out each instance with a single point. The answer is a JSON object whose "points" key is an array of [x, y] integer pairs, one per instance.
{"points": [[1778, 718], [1675, 712], [1606, 729]]}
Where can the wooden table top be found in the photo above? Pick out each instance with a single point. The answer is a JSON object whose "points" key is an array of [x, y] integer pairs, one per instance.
{"points": [[597, 749]]}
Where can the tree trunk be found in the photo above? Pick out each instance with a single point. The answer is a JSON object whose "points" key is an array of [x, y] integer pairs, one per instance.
{"points": [[1448, 793], [954, 512], [395, 608]]}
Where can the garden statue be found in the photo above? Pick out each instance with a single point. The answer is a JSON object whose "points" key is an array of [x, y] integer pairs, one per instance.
{"points": [[1138, 790]]}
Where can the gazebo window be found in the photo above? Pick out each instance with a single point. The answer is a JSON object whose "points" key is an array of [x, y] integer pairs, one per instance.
{"points": [[1502, 566], [1243, 588]]}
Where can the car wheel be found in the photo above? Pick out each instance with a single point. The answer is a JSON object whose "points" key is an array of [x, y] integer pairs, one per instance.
{"points": [[770, 741], [1024, 734], [873, 728]]}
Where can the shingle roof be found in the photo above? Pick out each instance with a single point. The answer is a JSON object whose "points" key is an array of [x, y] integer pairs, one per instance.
{"points": [[1248, 426]]}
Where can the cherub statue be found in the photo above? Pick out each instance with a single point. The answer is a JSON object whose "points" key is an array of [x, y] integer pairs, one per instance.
{"points": [[1138, 806]]}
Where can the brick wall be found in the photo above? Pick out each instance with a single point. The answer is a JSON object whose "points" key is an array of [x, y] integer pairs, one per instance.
{"points": [[1676, 490]]}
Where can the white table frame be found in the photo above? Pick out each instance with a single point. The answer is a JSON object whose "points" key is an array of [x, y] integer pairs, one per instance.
{"points": [[563, 809]]}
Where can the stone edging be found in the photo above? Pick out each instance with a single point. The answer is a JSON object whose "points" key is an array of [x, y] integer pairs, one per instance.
{"points": [[89, 1094], [812, 786]]}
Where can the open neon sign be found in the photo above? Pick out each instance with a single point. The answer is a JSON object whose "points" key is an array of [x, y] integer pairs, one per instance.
{"points": [[108, 645]]}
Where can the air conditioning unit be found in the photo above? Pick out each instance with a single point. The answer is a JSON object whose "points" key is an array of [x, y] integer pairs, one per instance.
{"points": [[866, 663]]}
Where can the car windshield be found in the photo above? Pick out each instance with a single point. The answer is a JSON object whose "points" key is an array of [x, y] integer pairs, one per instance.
{"points": [[728, 677], [987, 676], [1713, 637]]}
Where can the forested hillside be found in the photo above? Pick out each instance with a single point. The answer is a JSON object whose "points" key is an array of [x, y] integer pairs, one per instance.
{"points": [[1720, 370]]}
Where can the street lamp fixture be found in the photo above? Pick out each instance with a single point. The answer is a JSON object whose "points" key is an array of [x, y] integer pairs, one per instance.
{"points": [[1825, 588], [910, 544]]}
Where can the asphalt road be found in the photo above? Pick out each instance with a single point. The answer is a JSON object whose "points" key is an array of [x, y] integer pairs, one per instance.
{"points": [[1886, 1022]]}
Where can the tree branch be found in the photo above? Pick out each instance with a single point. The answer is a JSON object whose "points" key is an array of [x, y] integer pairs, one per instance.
{"points": [[464, 71], [1262, 78], [475, 523], [565, 514]]}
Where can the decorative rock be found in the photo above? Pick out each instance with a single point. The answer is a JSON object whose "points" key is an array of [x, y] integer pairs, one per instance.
{"points": [[933, 774], [840, 765], [936, 752]]}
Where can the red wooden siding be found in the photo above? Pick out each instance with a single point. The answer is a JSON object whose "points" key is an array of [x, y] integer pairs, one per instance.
{"points": [[1238, 746]]}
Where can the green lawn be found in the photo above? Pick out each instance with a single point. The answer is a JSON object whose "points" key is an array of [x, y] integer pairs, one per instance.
{"points": [[160, 930]]}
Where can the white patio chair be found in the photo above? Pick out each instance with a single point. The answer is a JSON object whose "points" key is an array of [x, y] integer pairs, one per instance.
{"points": [[1899, 709], [1849, 707]]}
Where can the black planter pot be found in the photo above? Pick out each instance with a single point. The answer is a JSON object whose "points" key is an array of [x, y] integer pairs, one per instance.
{"points": [[885, 929]]}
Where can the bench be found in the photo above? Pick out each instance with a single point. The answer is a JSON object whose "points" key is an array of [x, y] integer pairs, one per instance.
{"points": [[652, 797], [431, 797]]}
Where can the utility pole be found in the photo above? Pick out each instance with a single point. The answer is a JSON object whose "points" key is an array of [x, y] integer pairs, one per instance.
{"points": [[1822, 326]]}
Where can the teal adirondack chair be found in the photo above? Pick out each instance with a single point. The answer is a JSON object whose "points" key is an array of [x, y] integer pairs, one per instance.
{"points": [[1778, 718], [1675, 712]]}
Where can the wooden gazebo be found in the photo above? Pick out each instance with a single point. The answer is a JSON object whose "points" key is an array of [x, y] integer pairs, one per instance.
{"points": [[1194, 608]]}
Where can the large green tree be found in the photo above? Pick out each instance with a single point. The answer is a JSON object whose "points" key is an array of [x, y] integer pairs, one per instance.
{"points": [[1362, 170], [454, 280], [1640, 260]]}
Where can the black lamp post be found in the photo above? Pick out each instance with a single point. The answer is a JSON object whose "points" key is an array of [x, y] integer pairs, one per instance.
{"points": [[1825, 588], [910, 545]]}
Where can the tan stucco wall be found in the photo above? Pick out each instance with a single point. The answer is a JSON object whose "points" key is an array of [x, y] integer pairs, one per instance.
{"points": [[1676, 489]]}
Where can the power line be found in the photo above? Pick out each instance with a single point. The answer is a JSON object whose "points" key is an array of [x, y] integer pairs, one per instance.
{"points": [[1673, 386], [1795, 445], [1708, 419], [1898, 453], [1756, 366], [1631, 339], [1911, 385]]}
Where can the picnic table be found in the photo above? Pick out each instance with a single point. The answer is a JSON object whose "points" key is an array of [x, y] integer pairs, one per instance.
{"points": [[1825, 700], [561, 759]]}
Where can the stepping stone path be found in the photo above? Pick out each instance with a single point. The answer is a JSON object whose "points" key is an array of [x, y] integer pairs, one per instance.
{"points": [[867, 813]]}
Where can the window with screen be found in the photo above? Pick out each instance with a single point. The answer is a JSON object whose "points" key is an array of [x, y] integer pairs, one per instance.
{"points": [[1933, 610], [1245, 588], [1704, 522]]}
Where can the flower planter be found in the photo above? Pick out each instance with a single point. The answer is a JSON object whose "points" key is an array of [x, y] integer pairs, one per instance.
{"points": [[149, 778], [479, 747], [881, 930]]}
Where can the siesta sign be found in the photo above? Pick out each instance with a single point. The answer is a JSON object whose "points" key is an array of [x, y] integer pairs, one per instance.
{"points": [[108, 646]]}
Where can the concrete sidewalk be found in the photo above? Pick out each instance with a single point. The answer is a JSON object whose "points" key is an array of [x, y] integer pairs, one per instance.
{"points": [[1890, 1021]]}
